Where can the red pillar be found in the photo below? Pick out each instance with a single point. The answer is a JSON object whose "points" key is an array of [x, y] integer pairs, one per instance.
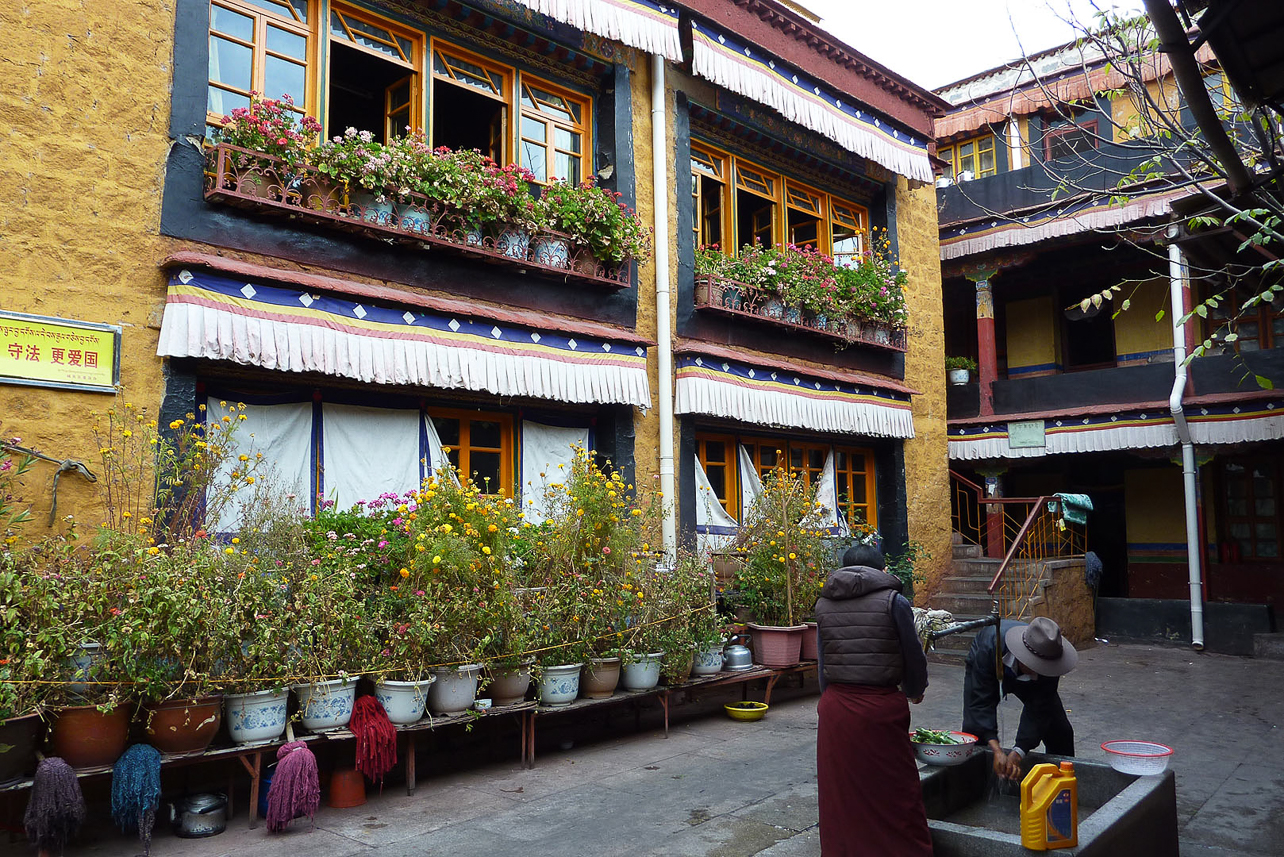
{"points": [[988, 356]]}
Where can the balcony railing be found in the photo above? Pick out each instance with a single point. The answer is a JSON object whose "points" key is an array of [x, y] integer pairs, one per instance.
{"points": [[265, 184], [741, 300]]}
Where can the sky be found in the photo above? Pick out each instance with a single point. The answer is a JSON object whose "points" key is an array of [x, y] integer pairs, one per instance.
{"points": [[936, 42]]}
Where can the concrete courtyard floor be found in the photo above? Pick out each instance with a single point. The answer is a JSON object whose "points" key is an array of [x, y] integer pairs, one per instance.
{"points": [[725, 789]]}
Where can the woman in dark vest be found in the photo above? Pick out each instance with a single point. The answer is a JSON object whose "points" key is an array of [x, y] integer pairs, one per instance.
{"points": [[870, 664]]}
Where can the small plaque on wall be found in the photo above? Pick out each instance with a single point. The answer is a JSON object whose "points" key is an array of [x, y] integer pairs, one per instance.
{"points": [[54, 352], [1026, 435]]}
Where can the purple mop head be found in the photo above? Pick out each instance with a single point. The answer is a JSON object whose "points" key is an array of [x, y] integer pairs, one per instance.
{"points": [[296, 789], [56, 808]]}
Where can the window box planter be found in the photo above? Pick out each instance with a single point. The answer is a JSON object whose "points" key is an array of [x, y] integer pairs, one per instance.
{"points": [[729, 297], [266, 185]]}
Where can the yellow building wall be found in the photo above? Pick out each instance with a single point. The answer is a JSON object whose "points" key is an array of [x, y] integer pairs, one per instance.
{"points": [[927, 479], [1154, 504], [1033, 336], [1137, 334], [84, 107]]}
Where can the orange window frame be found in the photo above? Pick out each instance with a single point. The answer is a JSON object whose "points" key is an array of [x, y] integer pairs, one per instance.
{"points": [[506, 95], [714, 166], [583, 127], [465, 448], [848, 507], [412, 61], [730, 466], [259, 52]]}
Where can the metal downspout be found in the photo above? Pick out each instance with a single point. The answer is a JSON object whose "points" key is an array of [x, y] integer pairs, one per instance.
{"points": [[1189, 472], [663, 319]]}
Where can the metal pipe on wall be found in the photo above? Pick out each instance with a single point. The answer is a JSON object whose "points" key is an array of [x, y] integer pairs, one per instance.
{"points": [[1194, 550], [663, 319]]}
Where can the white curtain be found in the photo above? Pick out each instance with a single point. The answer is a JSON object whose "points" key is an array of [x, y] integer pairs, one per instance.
{"points": [[544, 448], [368, 452], [827, 496], [715, 529], [436, 454], [283, 435], [750, 482]]}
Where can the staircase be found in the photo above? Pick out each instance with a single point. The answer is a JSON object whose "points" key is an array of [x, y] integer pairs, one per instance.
{"points": [[963, 593]]}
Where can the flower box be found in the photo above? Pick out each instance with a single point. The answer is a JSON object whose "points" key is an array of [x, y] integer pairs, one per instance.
{"points": [[266, 184], [718, 294]]}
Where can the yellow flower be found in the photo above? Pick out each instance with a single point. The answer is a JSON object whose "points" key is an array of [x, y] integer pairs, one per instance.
{"points": [[127, 433], [229, 551], [446, 528], [486, 551], [436, 560], [242, 458], [405, 572], [241, 417], [793, 555], [236, 541], [639, 596], [153, 550], [492, 528]]}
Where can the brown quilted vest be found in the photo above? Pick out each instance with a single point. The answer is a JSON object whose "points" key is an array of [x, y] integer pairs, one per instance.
{"points": [[859, 637]]}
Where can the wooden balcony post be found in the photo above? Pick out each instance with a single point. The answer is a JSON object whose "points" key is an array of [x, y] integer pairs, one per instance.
{"points": [[988, 355]]}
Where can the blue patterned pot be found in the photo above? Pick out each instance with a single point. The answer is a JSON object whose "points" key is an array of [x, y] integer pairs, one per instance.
{"points": [[644, 673], [552, 249], [793, 314], [403, 700], [371, 210], [474, 236], [326, 705], [559, 685], [708, 660], [773, 308], [514, 243], [256, 718]]}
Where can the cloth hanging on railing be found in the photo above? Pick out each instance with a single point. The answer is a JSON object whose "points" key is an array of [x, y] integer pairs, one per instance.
{"points": [[639, 24], [750, 481], [1075, 507]]}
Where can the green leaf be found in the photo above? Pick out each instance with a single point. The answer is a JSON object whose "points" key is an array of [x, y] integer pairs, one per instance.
{"points": [[1202, 310], [1264, 382], [1232, 337], [1159, 316]]}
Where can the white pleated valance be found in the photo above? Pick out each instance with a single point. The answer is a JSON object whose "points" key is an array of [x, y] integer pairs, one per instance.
{"points": [[768, 397], [1209, 426], [646, 26], [737, 66], [217, 318]]}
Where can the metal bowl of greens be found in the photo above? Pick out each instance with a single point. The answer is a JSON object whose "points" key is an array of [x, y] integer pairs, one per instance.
{"points": [[943, 748]]}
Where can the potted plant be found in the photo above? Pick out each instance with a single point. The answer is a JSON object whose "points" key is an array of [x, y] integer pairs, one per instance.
{"points": [[272, 127], [602, 230], [959, 369]]}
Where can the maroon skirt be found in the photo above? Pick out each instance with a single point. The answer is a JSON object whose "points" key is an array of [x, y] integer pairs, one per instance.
{"points": [[870, 799]]}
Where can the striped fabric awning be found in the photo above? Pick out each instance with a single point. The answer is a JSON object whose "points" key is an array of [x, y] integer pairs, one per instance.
{"points": [[639, 24], [760, 395], [215, 317], [1154, 429]]}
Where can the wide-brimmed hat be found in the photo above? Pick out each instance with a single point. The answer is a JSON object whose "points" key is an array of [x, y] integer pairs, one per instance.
{"points": [[1041, 647]]}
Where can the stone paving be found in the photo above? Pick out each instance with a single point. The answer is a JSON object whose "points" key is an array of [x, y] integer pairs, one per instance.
{"points": [[717, 788]]}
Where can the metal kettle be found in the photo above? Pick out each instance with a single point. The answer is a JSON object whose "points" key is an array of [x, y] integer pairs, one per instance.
{"points": [[737, 657], [200, 815]]}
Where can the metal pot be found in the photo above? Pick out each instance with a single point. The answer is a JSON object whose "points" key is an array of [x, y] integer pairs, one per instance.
{"points": [[737, 657], [200, 815]]}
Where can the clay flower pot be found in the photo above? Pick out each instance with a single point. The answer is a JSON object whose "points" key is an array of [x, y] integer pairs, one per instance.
{"points": [[599, 677], [183, 725], [85, 737], [777, 646]]}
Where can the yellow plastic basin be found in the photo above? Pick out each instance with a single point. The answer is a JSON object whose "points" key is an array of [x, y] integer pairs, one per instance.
{"points": [[746, 710]]}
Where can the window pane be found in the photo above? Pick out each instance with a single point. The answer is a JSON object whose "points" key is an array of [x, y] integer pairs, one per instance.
{"points": [[1237, 507], [859, 496], [468, 73], [566, 167], [535, 159], [1263, 507], [815, 459], [231, 23], [486, 433], [965, 151], [717, 480], [230, 63], [795, 459], [987, 161], [485, 471], [294, 9], [533, 129], [447, 430], [365, 34], [767, 457], [715, 451], [223, 102], [284, 42], [284, 77], [568, 140]]}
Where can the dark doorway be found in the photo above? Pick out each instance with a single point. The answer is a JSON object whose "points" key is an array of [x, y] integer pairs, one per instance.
{"points": [[467, 120], [359, 92]]}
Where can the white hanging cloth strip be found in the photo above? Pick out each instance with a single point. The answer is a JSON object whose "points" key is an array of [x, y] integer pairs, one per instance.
{"points": [[637, 24], [715, 529], [437, 458], [732, 64], [547, 455], [282, 434], [827, 497], [750, 482], [368, 453]]}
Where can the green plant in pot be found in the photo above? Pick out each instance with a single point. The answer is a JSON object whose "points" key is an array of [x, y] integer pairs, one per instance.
{"points": [[960, 369], [605, 229]]}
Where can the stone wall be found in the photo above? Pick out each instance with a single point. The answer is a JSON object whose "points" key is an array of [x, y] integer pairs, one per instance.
{"points": [[84, 107], [1063, 596], [927, 483]]}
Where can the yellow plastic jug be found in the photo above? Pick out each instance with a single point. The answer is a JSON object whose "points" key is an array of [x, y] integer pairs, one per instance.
{"points": [[1050, 807]]}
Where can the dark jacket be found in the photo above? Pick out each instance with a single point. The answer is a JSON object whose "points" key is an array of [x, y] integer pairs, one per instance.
{"points": [[1041, 703], [866, 632]]}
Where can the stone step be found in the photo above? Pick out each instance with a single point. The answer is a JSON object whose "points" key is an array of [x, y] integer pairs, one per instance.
{"points": [[978, 566], [965, 551], [963, 604], [965, 584], [1269, 646]]}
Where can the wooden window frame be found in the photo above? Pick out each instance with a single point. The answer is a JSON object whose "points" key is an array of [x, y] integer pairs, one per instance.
{"points": [[953, 154], [797, 190], [507, 450], [861, 226], [1226, 519], [871, 484], [1051, 134], [414, 66], [584, 128], [731, 464], [509, 97], [720, 173], [259, 52], [1264, 316]]}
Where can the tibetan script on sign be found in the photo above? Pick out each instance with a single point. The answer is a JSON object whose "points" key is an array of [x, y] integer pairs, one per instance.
{"points": [[55, 352], [1025, 435]]}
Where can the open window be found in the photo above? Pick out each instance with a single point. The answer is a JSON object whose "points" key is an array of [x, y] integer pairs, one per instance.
{"points": [[757, 206], [258, 46], [805, 216], [717, 456], [374, 82], [470, 102], [554, 132], [1070, 140], [849, 224], [480, 444], [709, 196]]}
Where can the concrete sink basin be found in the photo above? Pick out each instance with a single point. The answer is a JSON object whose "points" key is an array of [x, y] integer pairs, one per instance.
{"points": [[970, 816]]}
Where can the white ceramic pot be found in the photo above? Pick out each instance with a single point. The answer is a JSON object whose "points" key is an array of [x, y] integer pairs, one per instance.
{"points": [[559, 685], [508, 687], [708, 660], [258, 717], [454, 690], [326, 705], [404, 701], [644, 673], [959, 377]]}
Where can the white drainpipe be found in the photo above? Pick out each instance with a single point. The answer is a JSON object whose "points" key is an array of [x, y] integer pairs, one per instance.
{"points": [[663, 322], [1194, 548]]}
